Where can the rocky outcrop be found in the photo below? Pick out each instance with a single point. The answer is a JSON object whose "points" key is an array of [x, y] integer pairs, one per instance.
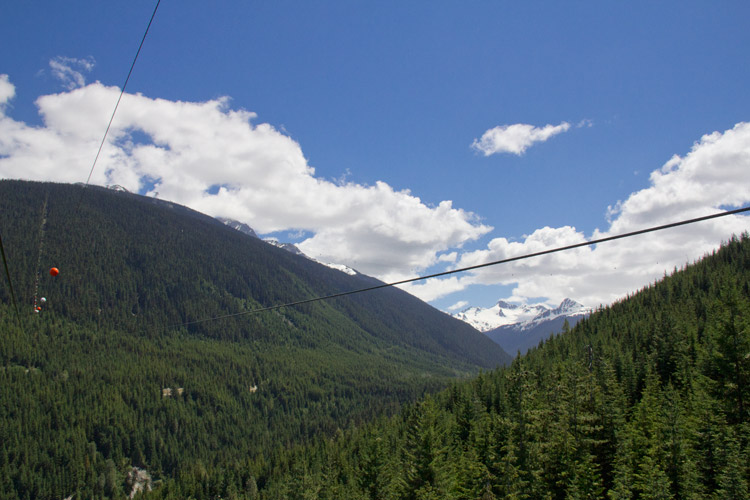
{"points": [[138, 480]]}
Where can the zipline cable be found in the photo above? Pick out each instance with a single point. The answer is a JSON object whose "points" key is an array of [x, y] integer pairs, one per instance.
{"points": [[478, 266], [93, 166], [41, 248], [122, 92], [10, 282]]}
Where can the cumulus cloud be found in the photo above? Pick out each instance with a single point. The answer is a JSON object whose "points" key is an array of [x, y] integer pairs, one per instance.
{"points": [[214, 159], [70, 70], [448, 257], [7, 90], [516, 138], [458, 305], [714, 175]]}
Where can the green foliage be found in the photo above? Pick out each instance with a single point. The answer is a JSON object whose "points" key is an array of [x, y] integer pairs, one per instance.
{"points": [[109, 376], [644, 399]]}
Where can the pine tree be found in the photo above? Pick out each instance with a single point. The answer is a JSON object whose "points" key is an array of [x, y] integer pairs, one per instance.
{"points": [[729, 334], [732, 479], [509, 483], [427, 472], [586, 482]]}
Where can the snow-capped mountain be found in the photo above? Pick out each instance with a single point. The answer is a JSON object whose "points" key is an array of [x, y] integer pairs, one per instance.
{"points": [[239, 226], [567, 308], [519, 327], [505, 313], [289, 247], [339, 267]]}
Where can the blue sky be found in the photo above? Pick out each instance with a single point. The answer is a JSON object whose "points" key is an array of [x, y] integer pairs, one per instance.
{"points": [[360, 102]]}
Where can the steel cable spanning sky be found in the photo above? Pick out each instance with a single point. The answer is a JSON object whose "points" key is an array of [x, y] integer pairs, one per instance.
{"points": [[96, 157], [382, 139], [478, 266], [117, 104]]}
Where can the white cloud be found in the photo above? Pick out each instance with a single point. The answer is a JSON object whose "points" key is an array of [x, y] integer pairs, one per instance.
{"points": [[448, 257], [714, 174], [458, 305], [215, 160], [7, 90], [70, 70], [516, 138], [435, 288]]}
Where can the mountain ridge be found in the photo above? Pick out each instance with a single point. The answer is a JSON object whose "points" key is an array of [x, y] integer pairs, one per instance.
{"points": [[147, 352], [120, 215], [505, 313], [518, 327], [290, 247], [645, 398]]}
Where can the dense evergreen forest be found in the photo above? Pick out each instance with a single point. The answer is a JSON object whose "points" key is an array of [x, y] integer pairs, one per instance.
{"points": [[646, 399], [141, 264], [109, 375]]}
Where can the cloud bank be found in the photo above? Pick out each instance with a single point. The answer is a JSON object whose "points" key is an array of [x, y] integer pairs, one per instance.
{"points": [[515, 139], [714, 175], [214, 159]]}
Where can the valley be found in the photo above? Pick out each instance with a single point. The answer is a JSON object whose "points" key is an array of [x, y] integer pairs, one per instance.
{"points": [[146, 373]]}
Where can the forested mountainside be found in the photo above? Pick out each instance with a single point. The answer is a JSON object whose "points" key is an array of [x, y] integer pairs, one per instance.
{"points": [[646, 399], [109, 375], [517, 339], [141, 264]]}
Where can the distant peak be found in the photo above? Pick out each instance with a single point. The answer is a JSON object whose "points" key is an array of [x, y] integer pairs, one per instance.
{"points": [[239, 226], [570, 306], [289, 247], [506, 305], [505, 313], [568, 303]]}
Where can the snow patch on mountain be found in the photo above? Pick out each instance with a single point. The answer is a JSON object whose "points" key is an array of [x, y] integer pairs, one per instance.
{"points": [[524, 315], [517, 328], [239, 226], [340, 267], [289, 247]]}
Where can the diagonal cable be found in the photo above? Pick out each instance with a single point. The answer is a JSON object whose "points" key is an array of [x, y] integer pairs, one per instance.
{"points": [[10, 283], [122, 92], [478, 266]]}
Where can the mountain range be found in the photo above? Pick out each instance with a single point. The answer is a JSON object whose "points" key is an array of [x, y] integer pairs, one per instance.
{"points": [[289, 247], [518, 327], [646, 398], [163, 357], [512, 326], [164, 345], [238, 226], [162, 251]]}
